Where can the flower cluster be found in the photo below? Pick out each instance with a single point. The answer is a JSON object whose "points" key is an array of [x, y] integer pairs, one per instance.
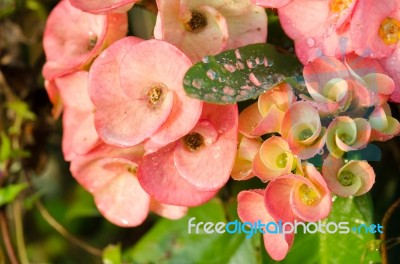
{"points": [[138, 143], [135, 140], [327, 120]]}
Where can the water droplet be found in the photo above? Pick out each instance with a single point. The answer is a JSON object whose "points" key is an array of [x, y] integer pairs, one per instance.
{"points": [[221, 79], [239, 65], [321, 151], [209, 97], [206, 59], [229, 67], [229, 90], [186, 82], [227, 98], [237, 54], [197, 83], [310, 42], [254, 79], [246, 87], [258, 61], [251, 63], [214, 89], [212, 74], [244, 93]]}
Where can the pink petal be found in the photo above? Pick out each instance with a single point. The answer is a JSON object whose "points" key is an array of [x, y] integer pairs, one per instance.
{"points": [[271, 3], [390, 64], [159, 177], [69, 48], [168, 211], [104, 6], [277, 198], [209, 168], [249, 118], [251, 209], [363, 65], [122, 200], [364, 28]]}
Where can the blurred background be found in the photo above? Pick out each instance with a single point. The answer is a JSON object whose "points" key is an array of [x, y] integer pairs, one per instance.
{"points": [[46, 217]]}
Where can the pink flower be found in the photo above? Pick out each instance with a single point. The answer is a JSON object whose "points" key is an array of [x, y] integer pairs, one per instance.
{"points": [[79, 133], [251, 209], [345, 134], [191, 170], [370, 83], [328, 83], [247, 150], [72, 38], [383, 125], [291, 197], [109, 173], [103, 6], [266, 115], [375, 29], [345, 179], [136, 87], [390, 65], [301, 127], [202, 28], [318, 27], [274, 159]]}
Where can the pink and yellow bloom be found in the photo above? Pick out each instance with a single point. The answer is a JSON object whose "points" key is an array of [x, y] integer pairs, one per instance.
{"points": [[72, 48], [266, 115], [345, 134], [274, 159], [295, 197], [191, 170], [251, 208], [383, 125], [136, 87], [247, 150], [301, 127], [202, 28], [355, 177]]}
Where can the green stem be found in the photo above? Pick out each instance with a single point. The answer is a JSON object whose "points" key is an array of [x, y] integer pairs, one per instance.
{"points": [[385, 223], [6, 239], [19, 232], [60, 229]]}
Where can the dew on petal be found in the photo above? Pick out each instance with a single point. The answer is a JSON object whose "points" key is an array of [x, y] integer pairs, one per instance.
{"points": [[205, 59], [310, 42]]}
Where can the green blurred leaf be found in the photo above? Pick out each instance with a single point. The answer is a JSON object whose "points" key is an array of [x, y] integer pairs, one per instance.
{"points": [[337, 248], [169, 242], [112, 254], [81, 205], [21, 109], [240, 74], [5, 147], [10, 192]]}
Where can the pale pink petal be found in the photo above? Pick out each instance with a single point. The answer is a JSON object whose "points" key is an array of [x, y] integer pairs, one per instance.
{"points": [[271, 3], [122, 200], [159, 177], [390, 64], [277, 198], [168, 211], [103, 6], [86, 137], [251, 209], [365, 27], [209, 168], [249, 118]]}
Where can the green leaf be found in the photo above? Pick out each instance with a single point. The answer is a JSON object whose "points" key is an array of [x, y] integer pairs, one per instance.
{"points": [[112, 254], [10, 192], [5, 147], [240, 74], [21, 109], [169, 241], [329, 248]]}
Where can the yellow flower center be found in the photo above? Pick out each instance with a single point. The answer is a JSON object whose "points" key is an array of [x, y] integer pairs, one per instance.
{"points": [[156, 93], [389, 31], [308, 195], [346, 178], [338, 6], [281, 160], [305, 134]]}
